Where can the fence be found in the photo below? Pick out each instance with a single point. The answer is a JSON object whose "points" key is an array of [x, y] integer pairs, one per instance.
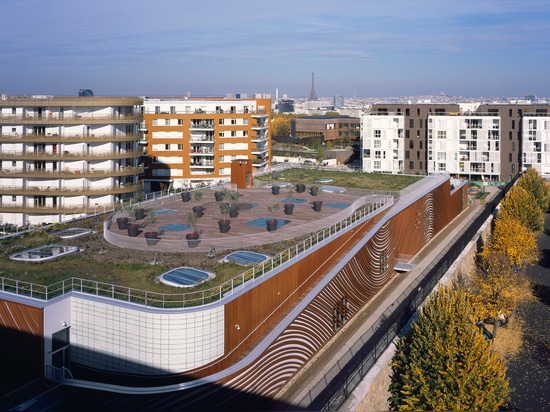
{"points": [[183, 300]]}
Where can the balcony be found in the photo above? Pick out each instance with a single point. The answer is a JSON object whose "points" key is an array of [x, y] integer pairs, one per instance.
{"points": [[55, 138], [202, 124], [66, 155], [69, 173], [69, 119], [66, 191]]}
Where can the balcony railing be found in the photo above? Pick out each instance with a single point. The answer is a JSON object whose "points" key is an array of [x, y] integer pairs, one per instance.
{"points": [[55, 138], [67, 118], [18, 190], [69, 173], [69, 155]]}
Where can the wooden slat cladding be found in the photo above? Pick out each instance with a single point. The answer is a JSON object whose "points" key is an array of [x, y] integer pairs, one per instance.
{"points": [[21, 344], [370, 269]]}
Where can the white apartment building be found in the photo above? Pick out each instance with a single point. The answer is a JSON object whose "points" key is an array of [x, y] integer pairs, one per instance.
{"points": [[465, 145], [536, 143], [383, 143], [474, 141], [65, 157]]}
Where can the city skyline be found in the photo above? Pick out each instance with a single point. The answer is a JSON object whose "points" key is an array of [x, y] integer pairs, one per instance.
{"points": [[491, 48]]}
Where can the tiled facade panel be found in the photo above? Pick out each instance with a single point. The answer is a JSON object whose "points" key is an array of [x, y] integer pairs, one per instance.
{"points": [[114, 338]]}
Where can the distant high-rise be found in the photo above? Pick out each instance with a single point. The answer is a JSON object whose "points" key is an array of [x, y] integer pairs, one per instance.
{"points": [[312, 95]]}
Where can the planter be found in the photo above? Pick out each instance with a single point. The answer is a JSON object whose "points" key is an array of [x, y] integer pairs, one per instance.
{"points": [[314, 190], [224, 225], [219, 196], [275, 189], [271, 225], [140, 213], [133, 229], [186, 196], [151, 238], [317, 204], [289, 208], [198, 211], [234, 211], [300, 188], [192, 239], [122, 223]]}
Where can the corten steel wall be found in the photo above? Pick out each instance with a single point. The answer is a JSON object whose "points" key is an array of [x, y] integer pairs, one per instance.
{"points": [[241, 173], [21, 344]]}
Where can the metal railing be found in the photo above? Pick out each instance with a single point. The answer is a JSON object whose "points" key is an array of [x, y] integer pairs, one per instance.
{"points": [[189, 299]]}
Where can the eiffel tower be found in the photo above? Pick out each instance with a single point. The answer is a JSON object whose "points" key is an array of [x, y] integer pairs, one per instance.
{"points": [[312, 95]]}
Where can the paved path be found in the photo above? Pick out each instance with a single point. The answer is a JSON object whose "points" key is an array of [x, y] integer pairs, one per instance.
{"points": [[529, 372]]}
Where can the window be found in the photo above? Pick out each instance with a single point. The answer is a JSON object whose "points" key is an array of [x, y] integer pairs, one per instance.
{"points": [[407, 112], [441, 134], [509, 157], [167, 122], [233, 133], [407, 155], [180, 146], [155, 122], [411, 165], [411, 123], [221, 146], [172, 109], [157, 109], [420, 125], [377, 154], [532, 124], [411, 144], [513, 168], [220, 121], [233, 121], [441, 156], [377, 134], [180, 122], [377, 165], [441, 167], [366, 153], [166, 147], [377, 144], [340, 313]]}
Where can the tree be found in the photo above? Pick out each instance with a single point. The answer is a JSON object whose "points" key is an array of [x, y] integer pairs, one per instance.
{"points": [[521, 205], [517, 242], [444, 362], [535, 184], [280, 125], [497, 284]]}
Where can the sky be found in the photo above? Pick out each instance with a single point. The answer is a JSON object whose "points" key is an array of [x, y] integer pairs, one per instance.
{"points": [[361, 48]]}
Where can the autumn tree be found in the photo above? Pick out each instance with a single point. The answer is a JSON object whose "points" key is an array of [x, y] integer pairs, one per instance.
{"points": [[497, 284], [444, 362], [517, 242], [521, 205], [280, 124], [536, 186]]}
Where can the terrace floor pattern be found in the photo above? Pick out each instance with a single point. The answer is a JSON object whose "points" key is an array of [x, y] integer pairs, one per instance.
{"points": [[253, 205]]}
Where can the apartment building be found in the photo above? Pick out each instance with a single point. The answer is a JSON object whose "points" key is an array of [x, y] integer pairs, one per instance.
{"points": [[327, 128], [193, 141], [473, 140], [65, 157]]}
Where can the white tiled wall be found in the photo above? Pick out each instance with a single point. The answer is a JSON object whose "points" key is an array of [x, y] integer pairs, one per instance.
{"points": [[115, 338]]}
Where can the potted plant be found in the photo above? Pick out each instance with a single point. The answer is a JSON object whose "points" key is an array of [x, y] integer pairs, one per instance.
{"points": [[275, 189], [197, 197], [300, 188], [317, 204], [133, 229], [151, 236], [193, 238], [122, 222], [139, 213], [224, 223], [288, 205], [185, 194], [272, 223], [232, 196], [314, 190]]}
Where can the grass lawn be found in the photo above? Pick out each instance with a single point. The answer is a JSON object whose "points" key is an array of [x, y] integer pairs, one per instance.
{"points": [[133, 269]]}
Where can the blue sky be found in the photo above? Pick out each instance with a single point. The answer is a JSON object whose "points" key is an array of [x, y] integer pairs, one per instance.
{"points": [[357, 48]]}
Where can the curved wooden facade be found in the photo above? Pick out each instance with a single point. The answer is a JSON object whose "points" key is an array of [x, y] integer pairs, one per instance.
{"points": [[272, 330]]}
